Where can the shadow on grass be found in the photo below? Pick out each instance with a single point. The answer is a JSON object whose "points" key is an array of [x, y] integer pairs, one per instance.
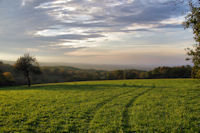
{"points": [[85, 87]]}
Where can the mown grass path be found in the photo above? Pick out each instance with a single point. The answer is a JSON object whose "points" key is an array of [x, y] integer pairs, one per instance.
{"points": [[163, 105]]}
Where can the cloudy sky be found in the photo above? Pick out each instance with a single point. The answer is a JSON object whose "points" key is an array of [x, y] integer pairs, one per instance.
{"points": [[145, 32]]}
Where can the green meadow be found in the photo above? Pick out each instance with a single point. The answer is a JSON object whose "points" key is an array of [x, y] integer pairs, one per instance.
{"points": [[160, 105]]}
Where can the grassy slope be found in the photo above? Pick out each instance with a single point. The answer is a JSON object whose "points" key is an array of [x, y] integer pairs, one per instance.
{"points": [[103, 106]]}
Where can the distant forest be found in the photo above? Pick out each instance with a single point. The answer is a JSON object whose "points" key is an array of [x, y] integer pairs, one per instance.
{"points": [[8, 75]]}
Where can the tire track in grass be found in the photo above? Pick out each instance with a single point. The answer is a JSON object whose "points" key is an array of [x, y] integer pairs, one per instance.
{"points": [[92, 111], [100, 105], [125, 115]]}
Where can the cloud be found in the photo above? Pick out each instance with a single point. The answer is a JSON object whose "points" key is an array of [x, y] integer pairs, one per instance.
{"points": [[64, 26], [70, 18], [79, 19], [24, 2], [32, 50]]}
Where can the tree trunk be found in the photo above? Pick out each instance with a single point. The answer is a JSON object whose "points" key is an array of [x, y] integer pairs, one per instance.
{"points": [[28, 80]]}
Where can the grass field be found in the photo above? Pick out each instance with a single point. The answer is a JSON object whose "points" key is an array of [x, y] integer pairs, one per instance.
{"points": [[171, 105]]}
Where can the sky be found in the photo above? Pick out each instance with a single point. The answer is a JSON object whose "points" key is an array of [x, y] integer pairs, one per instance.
{"points": [[142, 32]]}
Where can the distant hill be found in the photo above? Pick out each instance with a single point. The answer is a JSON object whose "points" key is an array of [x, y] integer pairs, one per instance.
{"points": [[53, 73], [108, 67]]}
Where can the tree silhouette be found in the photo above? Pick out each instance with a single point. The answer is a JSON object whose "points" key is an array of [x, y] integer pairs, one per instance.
{"points": [[28, 65]]}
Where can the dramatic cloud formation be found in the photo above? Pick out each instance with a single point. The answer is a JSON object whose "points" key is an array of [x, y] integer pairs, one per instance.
{"points": [[94, 31]]}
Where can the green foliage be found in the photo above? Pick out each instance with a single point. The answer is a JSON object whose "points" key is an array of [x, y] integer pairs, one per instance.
{"points": [[193, 21], [170, 72], [102, 106]]}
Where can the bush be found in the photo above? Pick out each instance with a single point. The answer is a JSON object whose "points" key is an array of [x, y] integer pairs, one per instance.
{"points": [[8, 78], [198, 74]]}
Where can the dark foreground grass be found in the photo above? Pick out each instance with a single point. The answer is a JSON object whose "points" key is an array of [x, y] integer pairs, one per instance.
{"points": [[103, 106]]}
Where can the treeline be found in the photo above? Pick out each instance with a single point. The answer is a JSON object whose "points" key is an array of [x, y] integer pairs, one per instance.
{"points": [[8, 75], [170, 72], [159, 72]]}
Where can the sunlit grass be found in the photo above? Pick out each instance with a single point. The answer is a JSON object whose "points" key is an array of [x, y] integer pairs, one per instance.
{"points": [[102, 106]]}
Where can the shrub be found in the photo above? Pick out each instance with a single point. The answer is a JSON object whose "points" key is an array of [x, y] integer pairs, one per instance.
{"points": [[8, 78]]}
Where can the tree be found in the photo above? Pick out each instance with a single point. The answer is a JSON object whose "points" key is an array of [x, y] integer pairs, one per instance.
{"points": [[28, 65], [193, 20], [194, 2], [8, 77]]}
